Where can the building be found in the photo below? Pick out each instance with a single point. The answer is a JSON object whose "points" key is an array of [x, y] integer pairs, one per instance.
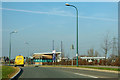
{"points": [[46, 57], [90, 59]]}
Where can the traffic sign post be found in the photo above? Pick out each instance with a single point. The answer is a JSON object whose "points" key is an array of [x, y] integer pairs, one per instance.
{"points": [[54, 55]]}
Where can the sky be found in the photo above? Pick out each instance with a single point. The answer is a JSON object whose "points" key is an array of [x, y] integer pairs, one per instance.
{"points": [[39, 23]]}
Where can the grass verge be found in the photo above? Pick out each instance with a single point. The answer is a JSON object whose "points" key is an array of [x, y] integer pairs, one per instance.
{"points": [[101, 68], [7, 71]]}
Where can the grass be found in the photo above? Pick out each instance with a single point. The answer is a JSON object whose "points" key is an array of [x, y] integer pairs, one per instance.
{"points": [[101, 68], [6, 71]]}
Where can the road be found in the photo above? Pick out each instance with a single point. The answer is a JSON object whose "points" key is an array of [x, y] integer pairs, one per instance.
{"points": [[57, 72]]}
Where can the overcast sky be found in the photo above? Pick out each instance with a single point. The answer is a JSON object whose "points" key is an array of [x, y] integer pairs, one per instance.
{"points": [[38, 23]]}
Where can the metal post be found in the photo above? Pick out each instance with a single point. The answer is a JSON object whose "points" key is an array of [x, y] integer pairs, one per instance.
{"points": [[77, 34], [27, 44], [53, 45], [10, 49], [61, 54], [76, 31], [10, 46]]}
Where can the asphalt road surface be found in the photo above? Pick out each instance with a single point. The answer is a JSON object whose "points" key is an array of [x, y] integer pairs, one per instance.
{"points": [[55, 72]]}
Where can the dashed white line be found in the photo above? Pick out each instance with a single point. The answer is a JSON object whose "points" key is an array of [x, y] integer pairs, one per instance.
{"points": [[86, 75]]}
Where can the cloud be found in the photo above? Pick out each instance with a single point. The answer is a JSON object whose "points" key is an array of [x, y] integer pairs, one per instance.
{"points": [[96, 18], [25, 11], [60, 13]]}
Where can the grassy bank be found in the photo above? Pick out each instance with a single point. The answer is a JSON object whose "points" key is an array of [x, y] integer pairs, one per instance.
{"points": [[101, 68], [7, 71]]}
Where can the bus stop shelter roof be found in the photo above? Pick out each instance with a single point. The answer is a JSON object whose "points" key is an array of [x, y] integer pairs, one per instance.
{"points": [[45, 55]]}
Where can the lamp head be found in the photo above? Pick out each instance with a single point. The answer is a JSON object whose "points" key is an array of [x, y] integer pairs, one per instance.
{"points": [[67, 4], [26, 42], [14, 32]]}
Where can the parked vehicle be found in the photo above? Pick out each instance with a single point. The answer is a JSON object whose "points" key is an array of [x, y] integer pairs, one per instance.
{"points": [[19, 61]]}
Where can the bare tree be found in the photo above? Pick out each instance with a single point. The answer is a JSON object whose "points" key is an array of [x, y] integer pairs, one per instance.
{"points": [[111, 59], [88, 52], [106, 46], [62, 50], [96, 53], [91, 52]]}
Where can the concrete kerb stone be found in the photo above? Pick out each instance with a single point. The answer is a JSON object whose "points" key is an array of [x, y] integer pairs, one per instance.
{"points": [[16, 74]]}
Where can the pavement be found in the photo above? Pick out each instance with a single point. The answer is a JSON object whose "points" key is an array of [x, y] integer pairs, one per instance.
{"points": [[57, 72]]}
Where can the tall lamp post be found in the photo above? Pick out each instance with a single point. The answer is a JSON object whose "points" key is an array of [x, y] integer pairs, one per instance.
{"points": [[10, 45], [28, 51], [28, 48], [76, 30]]}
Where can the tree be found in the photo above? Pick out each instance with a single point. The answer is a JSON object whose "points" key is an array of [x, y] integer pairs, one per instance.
{"points": [[96, 53], [111, 59], [62, 51], [106, 46], [91, 52]]}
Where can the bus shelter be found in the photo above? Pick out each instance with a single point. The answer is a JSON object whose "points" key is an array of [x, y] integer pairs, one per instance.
{"points": [[40, 58]]}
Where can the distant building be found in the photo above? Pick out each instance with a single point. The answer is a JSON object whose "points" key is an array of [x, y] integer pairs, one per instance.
{"points": [[90, 59], [2, 61], [46, 57]]}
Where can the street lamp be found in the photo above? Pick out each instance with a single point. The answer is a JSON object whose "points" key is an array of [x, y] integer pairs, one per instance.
{"points": [[76, 30], [28, 48], [10, 45], [28, 52]]}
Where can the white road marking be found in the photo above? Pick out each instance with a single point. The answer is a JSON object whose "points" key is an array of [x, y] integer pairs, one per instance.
{"points": [[86, 75]]}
